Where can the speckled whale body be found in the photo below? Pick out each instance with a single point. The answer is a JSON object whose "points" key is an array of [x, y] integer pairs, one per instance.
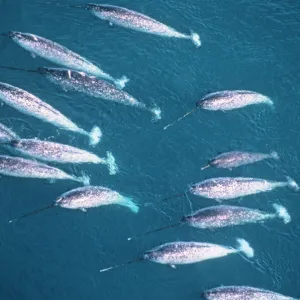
{"points": [[229, 100], [226, 215], [234, 159], [226, 188], [29, 104], [242, 293], [133, 20]]}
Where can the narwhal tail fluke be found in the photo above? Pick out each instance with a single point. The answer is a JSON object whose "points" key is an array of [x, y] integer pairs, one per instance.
{"points": [[123, 264], [95, 135], [152, 231], [18, 69], [121, 83], [111, 163], [195, 39], [179, 119], [33, 212]]}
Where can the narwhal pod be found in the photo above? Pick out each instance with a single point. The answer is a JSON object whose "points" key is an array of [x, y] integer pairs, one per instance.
{"points": [[94, 196], [228, 100], [60, 153], [60, 55], [133, 20], [233, 159], [20, 167], [31, 105], [242, 293], [94, 87], [226, 188], [6, 134]]}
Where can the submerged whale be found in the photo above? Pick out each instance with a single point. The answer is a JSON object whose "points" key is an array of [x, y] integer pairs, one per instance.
{"points": [[60, 55], [225, 188], [20, 167], [133, 20], [33, 106], [182, 253], [242, 293], [235, 159], [94, 87], [60, 153], [7, 134]]}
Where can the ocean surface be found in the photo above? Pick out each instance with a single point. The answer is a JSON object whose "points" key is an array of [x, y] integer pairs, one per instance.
{"points": [[247, 44]]}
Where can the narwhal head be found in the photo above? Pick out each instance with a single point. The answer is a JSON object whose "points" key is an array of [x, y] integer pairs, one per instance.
{"points": [[21, 37]]}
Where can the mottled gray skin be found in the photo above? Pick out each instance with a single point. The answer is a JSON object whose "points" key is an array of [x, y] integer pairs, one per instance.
{"points": [[56, 53], [54, 152], [7, 134], [225, 188], [235, 159], [225, 215], [88, 197], [179, 253], [133, 20], [242, 293], [94, 196], [20, 167], [32, 105], [90, 85], [228, 100]]}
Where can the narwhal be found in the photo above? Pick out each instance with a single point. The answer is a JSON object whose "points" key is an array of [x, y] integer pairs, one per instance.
{"points": [[60, 153], [182, 253], [29, 104], [60, 55], [227, 100], [20, 167], [227, 215], [242, 293], [227, 188], [234, 159], [134, 20], [88, 197], [90, 85]]}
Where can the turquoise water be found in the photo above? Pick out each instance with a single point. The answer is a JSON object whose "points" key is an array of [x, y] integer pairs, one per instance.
{"points": [[246, 45]]}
